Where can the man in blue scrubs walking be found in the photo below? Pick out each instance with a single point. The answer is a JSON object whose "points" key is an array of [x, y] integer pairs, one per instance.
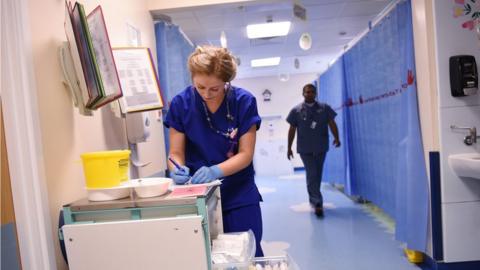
{"points": [[213, 127], [312, 119]]}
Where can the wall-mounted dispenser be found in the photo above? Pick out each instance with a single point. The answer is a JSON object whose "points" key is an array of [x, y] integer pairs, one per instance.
{"points": [[138, 131], [138, 127], [463, 75]]}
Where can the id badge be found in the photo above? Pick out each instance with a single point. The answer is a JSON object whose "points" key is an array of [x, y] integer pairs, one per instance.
{"points": [[313, 125]]}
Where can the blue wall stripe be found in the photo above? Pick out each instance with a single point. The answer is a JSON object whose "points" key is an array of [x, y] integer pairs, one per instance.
{"points": [[9, 247], [436, 207], [437, 236]]}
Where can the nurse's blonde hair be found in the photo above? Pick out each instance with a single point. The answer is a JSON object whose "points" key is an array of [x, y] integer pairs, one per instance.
{"points": [[211, 60]]}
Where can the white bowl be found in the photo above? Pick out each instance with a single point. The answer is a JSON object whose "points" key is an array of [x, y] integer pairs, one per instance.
{"points": [[108, 194], [150, 187]]}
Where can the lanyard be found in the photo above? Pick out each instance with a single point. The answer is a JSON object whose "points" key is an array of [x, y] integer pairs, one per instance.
{"points": [[306, 111], [231, 133]]}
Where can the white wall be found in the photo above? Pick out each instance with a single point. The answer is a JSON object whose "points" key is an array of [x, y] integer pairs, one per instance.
{"points": [[285, 95], [426, 76], [425, 65], [65, 133], [460, 197]]}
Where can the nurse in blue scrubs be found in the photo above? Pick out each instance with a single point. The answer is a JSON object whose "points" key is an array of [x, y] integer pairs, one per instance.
{"points": [[212, 127]]}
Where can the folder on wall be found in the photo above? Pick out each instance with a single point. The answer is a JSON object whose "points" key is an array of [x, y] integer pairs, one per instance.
{"points": [[110, 82], [85, 56], [75, 53], [92, 52]]}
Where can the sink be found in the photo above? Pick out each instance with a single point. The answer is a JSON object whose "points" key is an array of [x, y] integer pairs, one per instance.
{"points": [[465, 165]]}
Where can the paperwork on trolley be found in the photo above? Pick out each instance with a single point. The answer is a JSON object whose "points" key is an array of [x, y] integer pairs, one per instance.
{"points": [[192, 190]]}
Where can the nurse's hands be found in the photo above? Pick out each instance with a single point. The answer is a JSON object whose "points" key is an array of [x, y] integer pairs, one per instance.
{"points": [[206, 174], [181, 176]]}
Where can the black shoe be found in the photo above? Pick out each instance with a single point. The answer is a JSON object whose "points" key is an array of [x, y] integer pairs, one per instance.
{"points": [[319, 211]]}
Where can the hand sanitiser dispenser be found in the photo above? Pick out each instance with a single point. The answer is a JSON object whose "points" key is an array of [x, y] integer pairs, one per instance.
{"points": [[463, 75]]}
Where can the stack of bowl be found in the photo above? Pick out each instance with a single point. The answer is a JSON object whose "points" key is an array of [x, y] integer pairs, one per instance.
{"points": [[106, 177]]}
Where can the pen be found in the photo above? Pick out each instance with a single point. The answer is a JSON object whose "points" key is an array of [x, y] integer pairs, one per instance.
{"points": [[179, 168], [176, 164]]}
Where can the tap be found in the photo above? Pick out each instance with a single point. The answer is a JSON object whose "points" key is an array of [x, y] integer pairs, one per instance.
{"points": [[471, 138]]}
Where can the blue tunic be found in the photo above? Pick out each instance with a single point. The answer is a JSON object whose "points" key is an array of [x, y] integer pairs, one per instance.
{"points": [[312, 126], [204, 147]]}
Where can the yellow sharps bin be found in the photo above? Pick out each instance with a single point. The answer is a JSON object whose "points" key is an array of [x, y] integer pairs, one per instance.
{"points": [[105, 169]]}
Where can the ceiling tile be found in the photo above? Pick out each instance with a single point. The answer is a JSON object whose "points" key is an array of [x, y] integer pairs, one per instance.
{"points": [[322, 11], [325, 20], [363, 8]]}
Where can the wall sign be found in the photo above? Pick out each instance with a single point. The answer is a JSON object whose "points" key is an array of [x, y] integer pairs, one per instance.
{"points": [[266, 95]]}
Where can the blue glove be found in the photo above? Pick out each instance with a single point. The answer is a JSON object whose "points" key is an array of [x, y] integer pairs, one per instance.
{"points": [[207, 174], [181, 176]]}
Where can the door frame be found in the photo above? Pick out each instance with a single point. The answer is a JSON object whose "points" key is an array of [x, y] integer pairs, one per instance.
{"points": [[23, 137]]}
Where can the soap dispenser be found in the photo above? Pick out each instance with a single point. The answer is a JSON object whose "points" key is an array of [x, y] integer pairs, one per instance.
{"points": [[463, 75]]}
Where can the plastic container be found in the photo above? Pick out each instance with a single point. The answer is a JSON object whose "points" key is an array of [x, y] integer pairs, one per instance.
{"points": [[150, 187], [109, 194], [274, 262], [105, 169], [238, 262]]}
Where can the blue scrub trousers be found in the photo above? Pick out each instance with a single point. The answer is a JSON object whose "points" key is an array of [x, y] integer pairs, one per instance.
{"points": [[314, 168], [243, 219]]}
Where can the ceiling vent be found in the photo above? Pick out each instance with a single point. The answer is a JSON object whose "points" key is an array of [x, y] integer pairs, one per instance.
{"points": [[267, 41], [160, 17], [238, 61], [299, 12]]}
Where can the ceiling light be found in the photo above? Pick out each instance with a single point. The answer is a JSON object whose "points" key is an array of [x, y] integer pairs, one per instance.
{"points": [[283, 77], [265, 62], [305, 41], [271, 29], [223, 39]]}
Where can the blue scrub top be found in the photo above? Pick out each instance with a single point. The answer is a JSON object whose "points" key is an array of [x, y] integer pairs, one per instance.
{"points": [[312, 126], [204, 147]]}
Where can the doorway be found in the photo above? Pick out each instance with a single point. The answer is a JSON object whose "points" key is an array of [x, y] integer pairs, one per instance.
{"points": [[10, 252]]}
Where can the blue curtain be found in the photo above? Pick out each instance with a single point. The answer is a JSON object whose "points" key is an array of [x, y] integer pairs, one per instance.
{"points": [[384, 159], [173, 50], [331, 89]]}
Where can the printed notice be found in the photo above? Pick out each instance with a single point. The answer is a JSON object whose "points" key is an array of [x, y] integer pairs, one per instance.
{"points": [[141, 90]]}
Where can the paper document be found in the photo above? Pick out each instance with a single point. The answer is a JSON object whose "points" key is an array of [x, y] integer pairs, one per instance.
{"points": [[193, 190], [138, 78], [187, 191]]}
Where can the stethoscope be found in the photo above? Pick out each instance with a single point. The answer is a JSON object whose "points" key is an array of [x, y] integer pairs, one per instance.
{"points": [[304, 113], [231, 132], [228, 90]]}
